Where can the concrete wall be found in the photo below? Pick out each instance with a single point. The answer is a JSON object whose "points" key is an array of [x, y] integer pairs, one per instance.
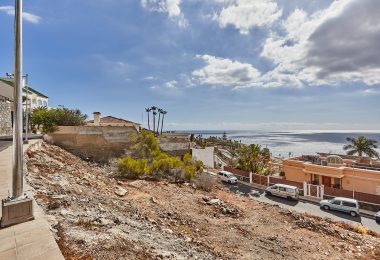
{"points": [[205, 155], [5, 118], [97, 143], [101, 143], [174, 146]]}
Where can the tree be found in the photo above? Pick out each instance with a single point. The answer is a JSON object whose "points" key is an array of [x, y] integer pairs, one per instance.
{"points": [[50, 119], [153, 108], [254, 159], [360, 146], [159, 117], [148, 112], [224, 137], [162, 123]]}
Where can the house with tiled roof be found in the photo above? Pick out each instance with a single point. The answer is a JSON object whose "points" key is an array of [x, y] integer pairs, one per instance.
{"points": [[111, 121]]}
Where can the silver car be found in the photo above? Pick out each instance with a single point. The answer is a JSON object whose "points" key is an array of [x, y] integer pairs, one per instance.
{"points": [[377, 217], [350, 206]]}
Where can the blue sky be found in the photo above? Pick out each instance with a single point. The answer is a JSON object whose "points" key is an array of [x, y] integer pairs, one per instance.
{"points": [[217, 64]]}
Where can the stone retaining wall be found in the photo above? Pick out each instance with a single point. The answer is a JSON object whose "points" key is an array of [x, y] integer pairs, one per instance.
{"points": [[5, 118]]}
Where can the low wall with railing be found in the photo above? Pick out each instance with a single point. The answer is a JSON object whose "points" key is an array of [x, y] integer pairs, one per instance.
{"points": [[367, 201]]}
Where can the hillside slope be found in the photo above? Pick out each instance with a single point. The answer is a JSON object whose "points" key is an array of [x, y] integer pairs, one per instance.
{"points": [[93, 218]]}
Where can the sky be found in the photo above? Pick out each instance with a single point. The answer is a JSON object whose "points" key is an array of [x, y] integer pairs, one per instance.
{"points": [[211, 64]]}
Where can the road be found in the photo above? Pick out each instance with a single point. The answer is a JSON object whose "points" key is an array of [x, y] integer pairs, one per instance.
{"points": [[4, 145], [301, 206]]}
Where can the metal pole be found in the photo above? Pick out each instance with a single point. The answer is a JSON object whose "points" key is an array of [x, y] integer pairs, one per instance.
{"points": [[17, 184], [353, 180], [27, 110]]}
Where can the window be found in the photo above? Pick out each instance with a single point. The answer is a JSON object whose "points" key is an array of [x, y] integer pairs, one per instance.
{"points": [[44, 104], [349, 204], [336, 183], [282, 189], [39, 103], [336, 202], [315, 179], [289, 190]]}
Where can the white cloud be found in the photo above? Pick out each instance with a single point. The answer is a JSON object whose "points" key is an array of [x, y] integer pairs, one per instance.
{"points": [[171, 7], [246, 14], [221, 71], [335, 45], [171, 84], [32, 18], [149, 78], [371, 92]]}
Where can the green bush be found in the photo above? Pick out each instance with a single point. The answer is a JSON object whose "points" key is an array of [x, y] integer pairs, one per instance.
{"points": [[147, 159], [131, 168]]}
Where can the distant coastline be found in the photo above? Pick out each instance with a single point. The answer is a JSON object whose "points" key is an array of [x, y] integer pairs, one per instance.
{"points": [[297, 142]]}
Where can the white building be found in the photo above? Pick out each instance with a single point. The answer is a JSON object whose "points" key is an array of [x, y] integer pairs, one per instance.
{"points": [[205, 155], [35, 98]]}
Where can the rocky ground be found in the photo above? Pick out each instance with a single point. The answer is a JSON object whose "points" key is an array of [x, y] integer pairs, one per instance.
{"points": [[97, 216]]}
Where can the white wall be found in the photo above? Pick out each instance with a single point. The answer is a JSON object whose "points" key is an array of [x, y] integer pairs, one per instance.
{"points": [[205, 155]]}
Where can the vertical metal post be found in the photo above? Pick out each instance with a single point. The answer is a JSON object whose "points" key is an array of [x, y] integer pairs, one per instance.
{"points": [[353, 180], [17, 170]]}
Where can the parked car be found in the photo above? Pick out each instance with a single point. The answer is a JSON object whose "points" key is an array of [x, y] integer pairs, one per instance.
{"points": [[227, 177], [350, 206], [377, 217], [282, 190]]}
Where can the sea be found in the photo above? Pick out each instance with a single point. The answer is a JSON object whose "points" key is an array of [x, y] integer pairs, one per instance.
{"points": [[294, 143]]}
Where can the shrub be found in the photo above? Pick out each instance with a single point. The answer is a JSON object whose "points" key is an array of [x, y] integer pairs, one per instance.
{"points": [[147, 159], [131, 168], [360, 229], [204, 181], [282, 173]]}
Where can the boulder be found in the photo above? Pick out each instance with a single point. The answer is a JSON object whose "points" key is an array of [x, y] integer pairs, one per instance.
{"points": [[120, 191]]}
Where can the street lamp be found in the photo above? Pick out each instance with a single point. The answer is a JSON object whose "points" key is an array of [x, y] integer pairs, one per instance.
{"points": [[18, 208]]}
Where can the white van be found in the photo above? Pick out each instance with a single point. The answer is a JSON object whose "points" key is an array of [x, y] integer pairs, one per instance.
{"points": [[282, 190], [227, 177]]}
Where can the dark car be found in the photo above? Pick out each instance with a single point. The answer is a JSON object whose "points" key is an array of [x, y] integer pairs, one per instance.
{"points": [[377, 217]]}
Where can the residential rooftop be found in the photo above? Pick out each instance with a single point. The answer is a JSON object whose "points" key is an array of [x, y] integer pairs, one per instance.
{"points": [[10, 82]]}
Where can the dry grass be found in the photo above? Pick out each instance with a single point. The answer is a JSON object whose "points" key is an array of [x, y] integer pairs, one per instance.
{"points": [[360, 229]]}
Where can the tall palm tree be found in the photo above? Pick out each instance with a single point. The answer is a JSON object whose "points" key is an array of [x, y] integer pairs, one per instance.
{"points": [[163, 115], [158, 124], [360, 146], [148, 112], [153, 108]]}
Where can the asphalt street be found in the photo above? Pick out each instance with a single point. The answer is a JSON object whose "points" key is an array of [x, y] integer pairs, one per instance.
{"points": [[4, 145], [301, 206]]}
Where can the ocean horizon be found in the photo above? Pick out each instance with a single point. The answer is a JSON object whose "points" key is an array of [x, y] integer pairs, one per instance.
{"points": [[296, 142]]}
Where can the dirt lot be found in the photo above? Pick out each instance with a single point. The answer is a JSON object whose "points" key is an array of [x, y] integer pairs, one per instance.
{"points": [[94, 215]]}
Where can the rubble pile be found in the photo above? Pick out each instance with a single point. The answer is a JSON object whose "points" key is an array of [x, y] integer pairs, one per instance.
{"points": [[94, 215]]}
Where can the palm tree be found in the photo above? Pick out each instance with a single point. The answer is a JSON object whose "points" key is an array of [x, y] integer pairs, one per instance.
{"points": [[153, 108], [360, 146], [163, 115], [159, 116], [148, 112]]}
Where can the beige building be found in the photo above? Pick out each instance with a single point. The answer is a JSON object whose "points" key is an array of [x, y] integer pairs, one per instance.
{"points": [[350, 173], [111, 121]]}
